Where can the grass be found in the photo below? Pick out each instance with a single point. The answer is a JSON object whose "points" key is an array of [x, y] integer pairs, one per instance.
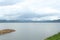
{"points": [[54, 37]]}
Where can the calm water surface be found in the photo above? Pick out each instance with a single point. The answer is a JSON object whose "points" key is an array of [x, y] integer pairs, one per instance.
{"points": [[29, 31]]}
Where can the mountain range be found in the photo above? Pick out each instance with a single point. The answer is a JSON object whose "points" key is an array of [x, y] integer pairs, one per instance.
{"points": [[29, 21]]}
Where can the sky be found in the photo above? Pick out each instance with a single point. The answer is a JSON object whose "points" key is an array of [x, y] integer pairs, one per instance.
{"points": [[35, 10]]}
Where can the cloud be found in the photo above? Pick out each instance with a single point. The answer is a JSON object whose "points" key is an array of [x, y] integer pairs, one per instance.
{"points": [[8, 2], [36, 6], [36, 17], [45, 10], [46, 18], [13, 9]]}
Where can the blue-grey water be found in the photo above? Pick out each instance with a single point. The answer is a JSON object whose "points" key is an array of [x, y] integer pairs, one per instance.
{"points": [[29, 31]]}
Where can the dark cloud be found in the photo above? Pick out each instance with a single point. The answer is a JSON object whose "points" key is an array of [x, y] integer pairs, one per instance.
{"points": [[9, 2]]}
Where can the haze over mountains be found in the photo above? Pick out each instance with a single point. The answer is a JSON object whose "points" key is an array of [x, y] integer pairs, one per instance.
{"points": [[32, 18]]}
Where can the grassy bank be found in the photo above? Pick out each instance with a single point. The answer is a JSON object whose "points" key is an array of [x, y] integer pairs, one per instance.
{"points": [[54, 37]]}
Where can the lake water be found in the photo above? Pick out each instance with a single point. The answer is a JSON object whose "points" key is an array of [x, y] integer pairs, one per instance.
{"points": [[29, 31]]}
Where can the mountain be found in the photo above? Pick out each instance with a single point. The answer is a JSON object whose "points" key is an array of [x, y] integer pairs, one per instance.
{"points": [[29, 21]]}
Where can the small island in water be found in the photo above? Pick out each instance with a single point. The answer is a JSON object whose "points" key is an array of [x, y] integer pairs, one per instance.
{"points": [[54, 37], [5, 31]]}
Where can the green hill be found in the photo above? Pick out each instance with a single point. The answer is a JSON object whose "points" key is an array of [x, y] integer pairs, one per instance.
{"points": [[54, 37]]}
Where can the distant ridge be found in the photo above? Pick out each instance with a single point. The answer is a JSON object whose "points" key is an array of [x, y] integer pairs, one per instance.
{"points": [[29, 21]]}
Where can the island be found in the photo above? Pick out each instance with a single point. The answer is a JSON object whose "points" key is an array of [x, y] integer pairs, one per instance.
{"points": [[5, 31]]}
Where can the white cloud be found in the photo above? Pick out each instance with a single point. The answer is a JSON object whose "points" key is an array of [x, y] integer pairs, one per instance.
{"points": [[33, 6], [45, 18], [9, 2], [50, 18], [45, 10]]}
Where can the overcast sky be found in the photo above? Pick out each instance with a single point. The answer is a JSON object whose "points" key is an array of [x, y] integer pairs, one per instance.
{"points": [[12, 9]]}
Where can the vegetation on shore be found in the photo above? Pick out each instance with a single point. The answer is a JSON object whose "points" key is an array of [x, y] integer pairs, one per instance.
{"points": [[54, 37]]}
